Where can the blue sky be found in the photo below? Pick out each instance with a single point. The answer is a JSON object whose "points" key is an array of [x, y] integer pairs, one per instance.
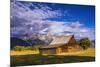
{"points": [[52, 18], [85, 14]]}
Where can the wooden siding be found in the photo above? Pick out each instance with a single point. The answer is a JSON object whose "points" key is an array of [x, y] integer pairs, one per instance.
{"points": [[62, 49], [74, 48], [48, 51], [72, 42], [58, 50]]}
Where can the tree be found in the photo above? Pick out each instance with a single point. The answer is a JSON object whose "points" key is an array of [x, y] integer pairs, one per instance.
{"points": [[85, 43]]}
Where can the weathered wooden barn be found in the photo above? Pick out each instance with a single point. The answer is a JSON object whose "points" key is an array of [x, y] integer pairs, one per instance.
{"points": [[61, 44]]}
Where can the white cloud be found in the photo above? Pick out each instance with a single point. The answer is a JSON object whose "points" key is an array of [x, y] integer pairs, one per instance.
{"points": [[36, 21], [32, 17], [69, 28], [38, 12]]}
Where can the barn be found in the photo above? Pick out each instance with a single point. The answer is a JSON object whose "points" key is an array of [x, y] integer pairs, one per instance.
{"points": [[61, 44]]}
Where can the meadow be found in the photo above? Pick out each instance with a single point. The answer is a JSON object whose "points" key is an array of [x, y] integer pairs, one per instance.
{"points": [[29, 57]]}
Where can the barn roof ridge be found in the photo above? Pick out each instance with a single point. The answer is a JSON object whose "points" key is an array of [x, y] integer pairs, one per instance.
{"points": [[58, 41]]}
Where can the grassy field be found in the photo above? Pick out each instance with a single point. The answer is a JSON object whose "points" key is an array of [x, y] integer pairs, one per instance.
{"points": [[25, 52], [89, 52], [33, 58]]}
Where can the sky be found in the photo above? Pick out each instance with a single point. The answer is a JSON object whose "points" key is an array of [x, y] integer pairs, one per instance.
{"points": [[52, 18]]}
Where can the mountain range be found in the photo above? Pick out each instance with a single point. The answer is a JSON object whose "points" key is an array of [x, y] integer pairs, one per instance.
{"points": [[34, 39]]}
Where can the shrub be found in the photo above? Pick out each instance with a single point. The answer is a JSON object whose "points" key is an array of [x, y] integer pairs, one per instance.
{"points": [[21, 48], [85, 43]]}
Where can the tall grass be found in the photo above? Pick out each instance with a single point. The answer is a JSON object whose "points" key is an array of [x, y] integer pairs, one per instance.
{"points": [[22, 48]]}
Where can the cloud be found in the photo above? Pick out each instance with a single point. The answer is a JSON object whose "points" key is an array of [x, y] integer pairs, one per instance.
{"points": [[39, 11], [69, 28], [27, 20], [31, 18]]}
